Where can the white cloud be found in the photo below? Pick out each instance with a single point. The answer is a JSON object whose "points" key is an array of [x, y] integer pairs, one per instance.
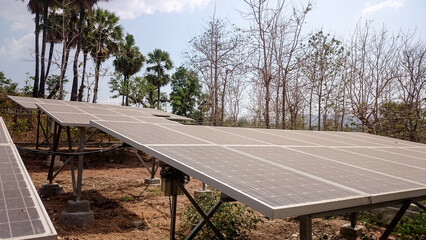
{"points": [[17, 48], [16, 12], [130, 9], [395, 4]]}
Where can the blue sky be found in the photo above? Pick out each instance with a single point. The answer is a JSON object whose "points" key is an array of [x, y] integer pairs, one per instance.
{"points": [[170, 24]]}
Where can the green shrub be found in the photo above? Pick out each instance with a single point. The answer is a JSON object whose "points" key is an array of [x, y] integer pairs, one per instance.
{"points": [[234, 220], [411, 228]]}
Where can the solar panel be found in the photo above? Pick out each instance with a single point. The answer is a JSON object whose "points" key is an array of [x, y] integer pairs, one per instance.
{"points": [[284, 173], [80, 115], [22, 214], [68, 113]]}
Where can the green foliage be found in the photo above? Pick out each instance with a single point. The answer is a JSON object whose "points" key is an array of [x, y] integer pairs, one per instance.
{"points": [[186, 90], [233, 220], [159, 63], [106, 33], [51, 82], [6, 84], [127, 198], [140, 91], [128, 61], [411, 229], [403, 121]]}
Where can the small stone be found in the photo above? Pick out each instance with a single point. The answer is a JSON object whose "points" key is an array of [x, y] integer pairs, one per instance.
{"points": [[137, 224]]}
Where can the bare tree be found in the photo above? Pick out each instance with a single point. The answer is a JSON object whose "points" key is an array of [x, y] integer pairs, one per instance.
{"points": [[285, 47], [263, 27], [412, 81], [372, 64], [213, 55]]}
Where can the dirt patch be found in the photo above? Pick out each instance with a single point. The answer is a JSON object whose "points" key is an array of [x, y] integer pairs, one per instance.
{"points": [[125, 208]]}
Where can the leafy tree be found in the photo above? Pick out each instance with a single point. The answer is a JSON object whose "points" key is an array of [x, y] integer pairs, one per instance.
{"points": [[7, 85], [128, 61], [138, 89], [186, 90], [159, 63], [325, 58], [107, 34], [396, 120]]}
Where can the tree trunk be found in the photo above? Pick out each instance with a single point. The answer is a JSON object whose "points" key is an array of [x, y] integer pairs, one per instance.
{"points": [[284, 93], [310, 108], [64, 69], [319, 106], [126, 85], [95, 89], [267, 100], [74, 95], [43, 51], [49, 62], [37, 57], [81, 89]]}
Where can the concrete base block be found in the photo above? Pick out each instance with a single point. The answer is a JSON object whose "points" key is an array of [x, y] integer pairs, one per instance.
{"points": [[349, 232], [201, 193], [77, 219], [152, 181], [49, 190], [77, 213], [78, 206]]}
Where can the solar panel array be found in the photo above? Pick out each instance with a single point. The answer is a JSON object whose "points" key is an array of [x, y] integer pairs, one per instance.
{"points": [[285, 173], [22, 214], [79, 114], [279, 173]]}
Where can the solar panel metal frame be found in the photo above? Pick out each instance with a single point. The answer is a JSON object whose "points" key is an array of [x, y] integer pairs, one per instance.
{"points": [[157, 149], [49, 230], [41, 104]]}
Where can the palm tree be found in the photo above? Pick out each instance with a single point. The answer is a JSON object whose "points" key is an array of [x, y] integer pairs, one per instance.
{"points": [[82, 6], [128, 61], [160, 62], [53, 36], [87, 44], [35, 7], [106, 34]]}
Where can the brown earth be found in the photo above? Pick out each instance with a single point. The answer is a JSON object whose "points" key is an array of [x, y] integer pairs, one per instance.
{"points": [[126, 209]]}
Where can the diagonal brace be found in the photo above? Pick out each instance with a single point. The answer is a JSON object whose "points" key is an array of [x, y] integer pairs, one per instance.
{"points": [[206, 218], [395, 220]]}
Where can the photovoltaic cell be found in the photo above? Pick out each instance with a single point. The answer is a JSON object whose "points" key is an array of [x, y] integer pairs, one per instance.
{"points": [[283, 173], [22, 215]]}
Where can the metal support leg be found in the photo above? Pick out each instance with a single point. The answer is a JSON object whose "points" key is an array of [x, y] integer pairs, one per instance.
{"points": [[353, 219], [74, 186], [80, 163], [305, 227], [395, 220], [153, 168], [56, 136], [38, 129], [173, 217]]}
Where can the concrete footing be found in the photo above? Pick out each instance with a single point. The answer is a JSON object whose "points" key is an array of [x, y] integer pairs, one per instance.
{"points": [[77, 213], [152, 181], [201, 193], [49, 190], [349, 232]]}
